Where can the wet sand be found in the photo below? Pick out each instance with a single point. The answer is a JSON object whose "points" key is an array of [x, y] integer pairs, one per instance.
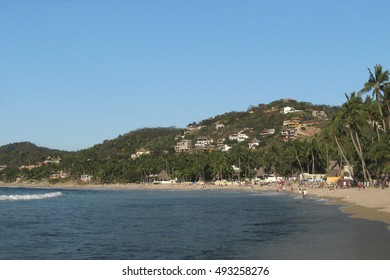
{"points": [[370, 203]]}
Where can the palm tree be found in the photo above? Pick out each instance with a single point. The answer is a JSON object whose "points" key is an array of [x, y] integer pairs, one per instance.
{"points": [[355, 119], [386, 100], [376, 82]]}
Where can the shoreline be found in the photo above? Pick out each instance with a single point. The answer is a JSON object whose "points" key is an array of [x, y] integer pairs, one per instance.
{"points": [[370, 204]]}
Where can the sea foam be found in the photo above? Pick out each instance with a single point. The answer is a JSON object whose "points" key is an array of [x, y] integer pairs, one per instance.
{"points": [[30, 196]]}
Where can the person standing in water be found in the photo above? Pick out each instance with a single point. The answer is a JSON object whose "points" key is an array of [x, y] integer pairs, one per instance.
{"points": [[304, 194]]}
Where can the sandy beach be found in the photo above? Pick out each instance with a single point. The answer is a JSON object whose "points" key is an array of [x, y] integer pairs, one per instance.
{"points": [[370, 203]]}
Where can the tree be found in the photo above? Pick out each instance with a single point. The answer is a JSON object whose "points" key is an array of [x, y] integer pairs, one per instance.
{"points": [[376, 83], [353, 118]]}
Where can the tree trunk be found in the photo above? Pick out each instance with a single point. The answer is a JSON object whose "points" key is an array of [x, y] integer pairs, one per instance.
{"points": [[313, 165], [381, 113], [342, 153], [363, 161], [358, 148], [299, 162]]}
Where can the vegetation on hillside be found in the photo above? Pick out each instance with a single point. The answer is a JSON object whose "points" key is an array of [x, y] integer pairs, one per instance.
{"points": [[356, 134]]}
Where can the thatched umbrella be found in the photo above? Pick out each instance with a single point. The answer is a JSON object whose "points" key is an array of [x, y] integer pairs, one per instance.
{"points": [[163, 176], [260, 173]]}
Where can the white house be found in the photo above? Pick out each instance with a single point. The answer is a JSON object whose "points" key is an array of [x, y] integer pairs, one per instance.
{"points": [[219, 126], [86, 178], [140, 153], [254, 144], [239, 137], [225, 148], [265, 132], [287, 110], [203, 142]]}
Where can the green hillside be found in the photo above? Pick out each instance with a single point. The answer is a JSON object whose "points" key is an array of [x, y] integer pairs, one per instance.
{"points": [[111, 161], [285, 137], [26, 153]]}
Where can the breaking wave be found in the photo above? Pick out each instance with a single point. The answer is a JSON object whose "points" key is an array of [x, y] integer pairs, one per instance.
{"points": [[30, 196]]}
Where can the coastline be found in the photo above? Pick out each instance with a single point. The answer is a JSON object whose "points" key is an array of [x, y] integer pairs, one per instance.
{"points": [[370, 203]]}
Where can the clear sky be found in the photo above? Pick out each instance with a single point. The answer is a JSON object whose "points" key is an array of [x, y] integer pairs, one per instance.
{"points": [[76, 72]]}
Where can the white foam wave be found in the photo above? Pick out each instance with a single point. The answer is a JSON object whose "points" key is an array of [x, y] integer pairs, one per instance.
{"points": [[30, 196]]}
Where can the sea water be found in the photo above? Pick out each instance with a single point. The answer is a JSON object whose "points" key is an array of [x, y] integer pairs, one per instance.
{"points": [[48, 224]]}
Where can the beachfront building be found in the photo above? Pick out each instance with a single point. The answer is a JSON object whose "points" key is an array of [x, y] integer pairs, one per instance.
{"points": [[260, 174], [183, 146], [312, 177], [59, 175], [163, 178], [337, 173], [86, 178]]}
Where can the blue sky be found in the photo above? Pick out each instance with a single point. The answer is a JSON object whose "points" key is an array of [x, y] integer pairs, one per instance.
{"points": [[74, 73]]}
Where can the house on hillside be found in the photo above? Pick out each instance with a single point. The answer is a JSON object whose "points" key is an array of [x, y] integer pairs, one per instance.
{"points": [[320, 114], [140, 153], [184, 146], [239, 137], [224, 148], [287, 110], [254, 144], [203, 143], [294, 123], [266, 132], [193, 128], [219, 125], [54, 160], [289, 134]]}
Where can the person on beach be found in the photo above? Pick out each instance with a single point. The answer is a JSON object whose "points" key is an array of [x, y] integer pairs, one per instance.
{"points": [[304, 194]]}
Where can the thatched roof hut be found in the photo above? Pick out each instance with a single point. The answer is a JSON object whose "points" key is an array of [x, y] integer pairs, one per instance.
{"points": [[334, 169], [163, 176], [260, 173]]}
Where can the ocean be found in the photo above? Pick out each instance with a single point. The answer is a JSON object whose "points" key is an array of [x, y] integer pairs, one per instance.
{"points": [[52, 224]]}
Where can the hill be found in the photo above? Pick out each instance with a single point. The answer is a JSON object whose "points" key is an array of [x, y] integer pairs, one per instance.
{"points": [[25, 153], [159, 140], [256, 137]]}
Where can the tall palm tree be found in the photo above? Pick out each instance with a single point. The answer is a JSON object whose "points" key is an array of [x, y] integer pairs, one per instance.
{"points": [[386, 100], [376, 83], [355, 119]]}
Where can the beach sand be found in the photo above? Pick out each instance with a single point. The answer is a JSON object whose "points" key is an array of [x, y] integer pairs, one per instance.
{"points": [[370, 203]]}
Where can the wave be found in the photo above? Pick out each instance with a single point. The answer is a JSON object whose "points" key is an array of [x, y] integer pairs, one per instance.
{"points": [[30, 196]]}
